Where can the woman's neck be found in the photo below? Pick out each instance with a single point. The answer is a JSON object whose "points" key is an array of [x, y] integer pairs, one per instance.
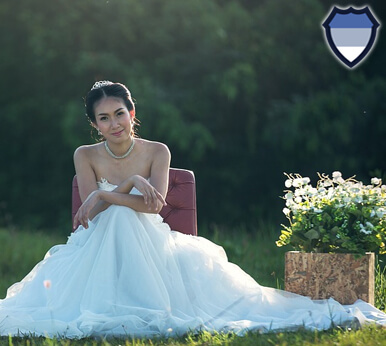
{"points": [[121, 150]]}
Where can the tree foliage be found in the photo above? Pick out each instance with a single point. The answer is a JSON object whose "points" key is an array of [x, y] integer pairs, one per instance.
{"points": [[239, 90]]}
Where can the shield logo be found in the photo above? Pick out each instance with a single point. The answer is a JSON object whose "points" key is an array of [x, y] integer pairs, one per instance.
{"points": [[351, 33]]}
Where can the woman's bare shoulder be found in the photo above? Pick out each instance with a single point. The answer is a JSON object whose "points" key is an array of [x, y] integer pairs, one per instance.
{"points": [[153, 147], [86, 151]]}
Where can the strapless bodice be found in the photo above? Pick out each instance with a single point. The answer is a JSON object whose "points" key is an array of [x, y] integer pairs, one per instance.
{"points": [[105, 185]]}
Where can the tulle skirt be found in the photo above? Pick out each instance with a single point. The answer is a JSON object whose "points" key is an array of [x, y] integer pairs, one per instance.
{"points": [[128, 274]]}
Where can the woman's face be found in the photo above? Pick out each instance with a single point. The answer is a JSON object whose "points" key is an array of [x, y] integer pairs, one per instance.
{"points": [[113, 119]]}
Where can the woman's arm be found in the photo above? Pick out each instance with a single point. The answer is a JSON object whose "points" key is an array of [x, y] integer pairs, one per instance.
{"points": [[87, 181], [124, 187], [84, 171], [153, 192]]}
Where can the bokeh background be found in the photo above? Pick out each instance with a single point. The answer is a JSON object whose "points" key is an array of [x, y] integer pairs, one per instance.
{"points": [[241, 91]]}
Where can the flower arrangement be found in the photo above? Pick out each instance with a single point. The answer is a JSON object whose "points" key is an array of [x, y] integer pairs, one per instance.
{"points": [[338, 215]]}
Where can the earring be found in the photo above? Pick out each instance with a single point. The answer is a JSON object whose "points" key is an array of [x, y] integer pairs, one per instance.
{"points": [[132, 132]]}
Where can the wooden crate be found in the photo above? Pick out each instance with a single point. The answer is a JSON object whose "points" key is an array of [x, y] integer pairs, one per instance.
{"points": [[340, 276]]}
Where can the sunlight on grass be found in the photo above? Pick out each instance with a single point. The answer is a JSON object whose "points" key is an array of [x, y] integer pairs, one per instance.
{"points": [[380, 285], [254, 250], [20, 251], [367, 336]]}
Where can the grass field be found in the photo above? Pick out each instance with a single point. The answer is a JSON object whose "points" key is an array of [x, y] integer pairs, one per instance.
{"points": [[255, 252]]}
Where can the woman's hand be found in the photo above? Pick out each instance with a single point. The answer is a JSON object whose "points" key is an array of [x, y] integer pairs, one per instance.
{"points": [[152, 198], [82, 216], [150, 195]]}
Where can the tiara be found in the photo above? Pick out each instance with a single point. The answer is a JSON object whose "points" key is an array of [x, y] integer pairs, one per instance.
{"points": [[101, 84]]}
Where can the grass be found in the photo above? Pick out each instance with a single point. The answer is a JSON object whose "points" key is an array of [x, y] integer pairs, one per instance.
{"points": [[20, 251], [367, 336], [380, 286], [255, 252]]}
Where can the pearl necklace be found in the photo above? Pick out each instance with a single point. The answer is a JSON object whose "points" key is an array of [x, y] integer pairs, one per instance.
{"points": [[119, 157]]}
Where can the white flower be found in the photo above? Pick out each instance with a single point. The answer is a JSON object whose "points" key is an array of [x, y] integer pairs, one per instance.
{"points": [[286, 211], [289, 195], [306, 180], [327, 183], [290, 203], [369, 225], [358, 199], [322, 190], [355, 190], [288, 183], [336, 175], [330, 192], [297, 182], [298, 199], [380, 212], [364, 230], [376, 181]]}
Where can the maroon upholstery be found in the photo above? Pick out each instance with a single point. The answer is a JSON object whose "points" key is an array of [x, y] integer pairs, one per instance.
{"points": [[180, 211]]}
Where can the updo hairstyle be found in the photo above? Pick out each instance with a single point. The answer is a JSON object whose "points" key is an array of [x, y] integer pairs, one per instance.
{"points": [[105, 89]]}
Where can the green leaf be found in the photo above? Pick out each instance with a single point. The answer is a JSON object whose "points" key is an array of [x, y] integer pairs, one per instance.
{"points": [[312, 234]]}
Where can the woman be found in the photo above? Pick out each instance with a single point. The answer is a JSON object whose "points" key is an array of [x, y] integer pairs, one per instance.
{"points": [[124, 272], [121, 158]]}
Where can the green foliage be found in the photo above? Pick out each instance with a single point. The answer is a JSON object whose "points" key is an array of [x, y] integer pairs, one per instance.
{"points": [[337, 216], [240, 91], [334, 127]]}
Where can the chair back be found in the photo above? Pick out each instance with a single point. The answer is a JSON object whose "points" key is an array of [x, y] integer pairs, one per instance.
{"points": [[180, 212]]}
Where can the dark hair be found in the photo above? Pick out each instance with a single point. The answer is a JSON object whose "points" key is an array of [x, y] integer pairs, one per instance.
{"points": [[104, 89]]}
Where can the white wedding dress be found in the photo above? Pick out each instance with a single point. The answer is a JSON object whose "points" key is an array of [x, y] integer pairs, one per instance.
{"points": [[128, 274]]}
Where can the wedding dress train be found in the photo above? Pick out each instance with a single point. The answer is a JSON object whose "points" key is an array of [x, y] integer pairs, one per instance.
{"points": [[128, 274]]}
